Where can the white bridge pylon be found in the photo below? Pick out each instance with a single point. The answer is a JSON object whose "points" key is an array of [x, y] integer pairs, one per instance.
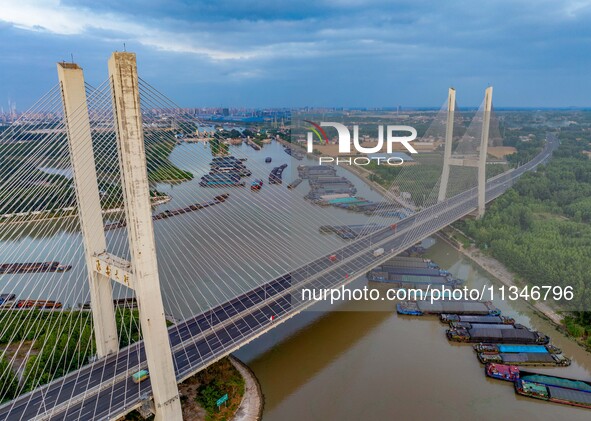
{"points": [[141, 272], [479, 162]]}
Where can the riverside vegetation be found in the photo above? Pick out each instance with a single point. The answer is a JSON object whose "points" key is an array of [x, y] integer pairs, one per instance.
{"points": [[541, 228]]}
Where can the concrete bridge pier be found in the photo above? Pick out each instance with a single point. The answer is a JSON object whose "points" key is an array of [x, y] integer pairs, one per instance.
{"points": [[138, 213]]}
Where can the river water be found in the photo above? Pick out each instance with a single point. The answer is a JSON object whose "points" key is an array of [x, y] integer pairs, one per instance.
{"points": [[205, 257], [356, 364]]}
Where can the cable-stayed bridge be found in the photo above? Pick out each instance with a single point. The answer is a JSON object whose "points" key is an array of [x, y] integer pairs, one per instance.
{"points": [[103, 389]]}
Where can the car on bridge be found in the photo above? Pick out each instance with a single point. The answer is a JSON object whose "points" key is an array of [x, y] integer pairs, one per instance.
{"points": [[140, 376]]}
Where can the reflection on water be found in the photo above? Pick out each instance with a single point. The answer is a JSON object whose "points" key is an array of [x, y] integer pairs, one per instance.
{"points": [[381, 366]]}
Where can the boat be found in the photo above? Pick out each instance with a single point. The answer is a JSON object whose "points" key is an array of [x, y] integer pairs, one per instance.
{"points": [[448, 318], [9, 268], [468, 325], [525, 358], [268, 159], [39, 304], [256, 184], [555, 394], [508, 348], [421, 307], [491, 334], [512, 373], [294, 183], [505, 372], [168, 213], [276, 174], [7, 300]]}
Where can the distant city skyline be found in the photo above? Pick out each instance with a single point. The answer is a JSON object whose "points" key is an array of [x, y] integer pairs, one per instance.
{"points": [[350, 53]]}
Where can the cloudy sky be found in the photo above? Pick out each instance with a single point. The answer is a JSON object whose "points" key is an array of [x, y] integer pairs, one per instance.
{"points": [[312, 52]]}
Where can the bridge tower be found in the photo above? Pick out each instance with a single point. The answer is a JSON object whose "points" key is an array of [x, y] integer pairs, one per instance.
{"points": [[141, 273], [71, 79], [479, 162], [449, 132]]}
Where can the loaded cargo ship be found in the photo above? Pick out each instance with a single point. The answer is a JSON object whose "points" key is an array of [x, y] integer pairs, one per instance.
{"points": [[469, 318], [421, 307], [39, 304], [525, 358], [508, 348], [9, 268], [490, 334], [542, 386], [275, 177], [174, 212]]}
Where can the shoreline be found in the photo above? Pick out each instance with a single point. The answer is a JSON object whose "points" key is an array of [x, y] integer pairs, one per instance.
{"points": [[498, 271], [503, 275], [160, 201], [253, 401]]}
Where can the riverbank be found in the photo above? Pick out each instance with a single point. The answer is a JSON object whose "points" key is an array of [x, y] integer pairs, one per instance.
{"points": [[497, 270], [500, 272], [251, 406], [42, 216]]}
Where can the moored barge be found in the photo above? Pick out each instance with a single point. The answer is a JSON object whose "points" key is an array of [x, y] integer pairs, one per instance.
{"points": [[553, 393], [525, 358], [39, 304], [421, 307], [10, 268], [505, 336], [488, 319], [508, 348]]}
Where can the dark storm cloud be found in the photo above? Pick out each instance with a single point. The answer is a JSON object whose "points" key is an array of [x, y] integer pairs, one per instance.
{"points": [[286, 53]]}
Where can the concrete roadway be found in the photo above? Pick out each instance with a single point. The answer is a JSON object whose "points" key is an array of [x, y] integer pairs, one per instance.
{"points": [[103, 389]]}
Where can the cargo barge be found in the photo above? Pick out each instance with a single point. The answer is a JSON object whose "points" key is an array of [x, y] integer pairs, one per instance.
{"points": [[276, 174], [294, 183], [38, 304], [469, 318], [472, 325], [505, 336], [295, 154], [15, 268], [525, 358], [416, 271], [129, 302], [545, 387], [421, 307], [508, 348], [511, 373], [553, 394], [347, 232], [411, 262], [306, 171], [410, 281], [168, 213]]}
